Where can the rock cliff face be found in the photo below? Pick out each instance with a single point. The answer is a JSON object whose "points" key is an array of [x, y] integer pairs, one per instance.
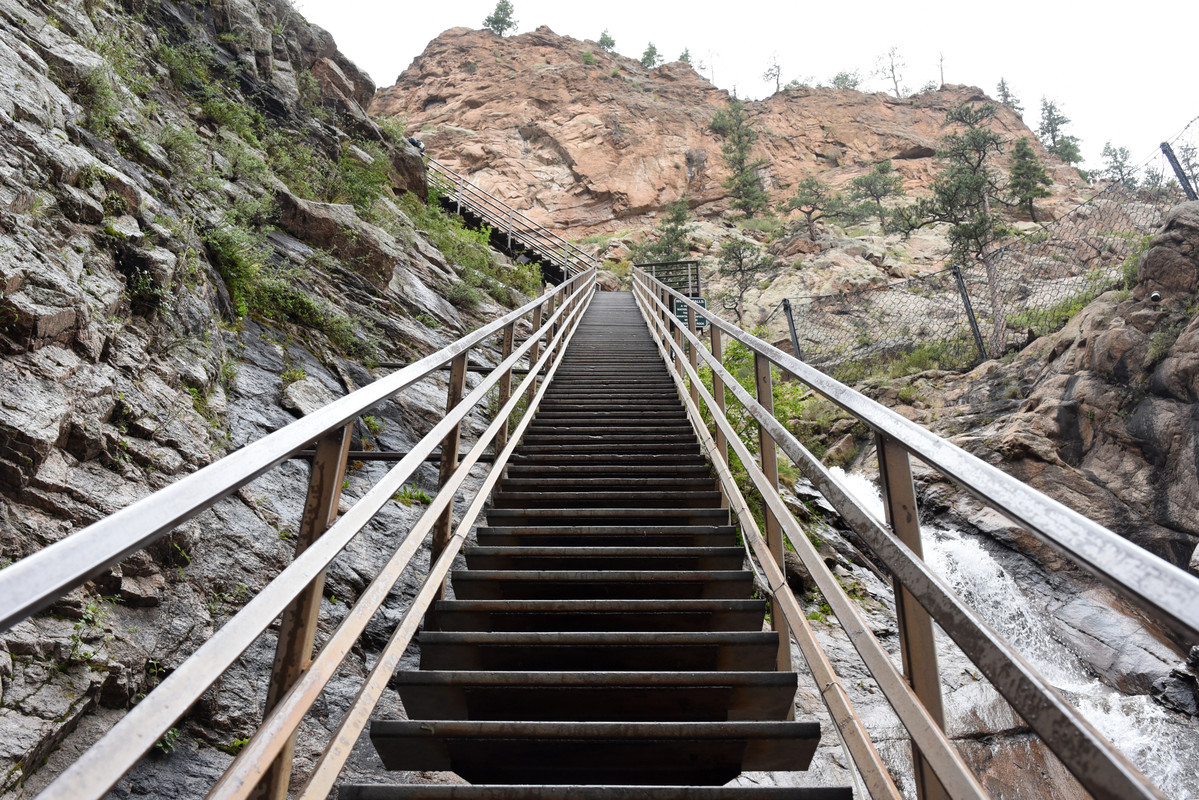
{"points": [[591, 141], [200, 239]]}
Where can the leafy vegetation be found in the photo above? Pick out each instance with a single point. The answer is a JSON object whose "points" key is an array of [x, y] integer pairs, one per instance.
{"points": [[470, 250]]}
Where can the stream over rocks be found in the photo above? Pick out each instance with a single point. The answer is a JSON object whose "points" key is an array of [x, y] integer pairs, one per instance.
{"points": [[1162, 743]]}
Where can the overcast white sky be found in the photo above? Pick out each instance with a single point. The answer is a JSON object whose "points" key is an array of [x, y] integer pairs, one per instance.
{"points": [[1120, 71]]}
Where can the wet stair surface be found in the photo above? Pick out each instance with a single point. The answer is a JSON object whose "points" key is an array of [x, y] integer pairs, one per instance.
{"points": [[601, 643]]}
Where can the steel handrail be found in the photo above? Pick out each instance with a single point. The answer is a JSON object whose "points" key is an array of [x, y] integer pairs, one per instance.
{"points": [[465, 183], [952, 770], [533, 234], [242, 775], [1168, 593], [34, 582], [105, 762], [1099, 766]]}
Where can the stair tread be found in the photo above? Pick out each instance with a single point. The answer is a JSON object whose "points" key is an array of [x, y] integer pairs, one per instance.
{"points": [[588, 792]]}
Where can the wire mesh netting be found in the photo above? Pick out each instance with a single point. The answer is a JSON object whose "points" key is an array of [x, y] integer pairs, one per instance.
{"points": [[1027, 288]]}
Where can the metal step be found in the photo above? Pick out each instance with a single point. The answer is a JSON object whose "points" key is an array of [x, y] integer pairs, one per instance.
{"points": [[477, 584], [595, 752], [601, 644], [597, 696], [600, 615], [608, 535], [569, 792], [606, 499], [613, 483], [604, 558], [632, 467], [568, 651]]}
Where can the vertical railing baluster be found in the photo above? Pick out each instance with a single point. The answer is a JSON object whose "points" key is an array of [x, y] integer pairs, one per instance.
{"points": [[505, 388], [297, 629], [722, 444], [692, 355], [916, 641], [449, 457], [534, 352], [774, 531]]}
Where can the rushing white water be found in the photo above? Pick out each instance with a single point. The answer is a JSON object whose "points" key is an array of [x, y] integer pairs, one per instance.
{"points": [[1158, 741]]}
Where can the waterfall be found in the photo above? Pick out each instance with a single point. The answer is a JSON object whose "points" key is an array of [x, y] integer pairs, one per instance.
{"points": [[1164, 745]]}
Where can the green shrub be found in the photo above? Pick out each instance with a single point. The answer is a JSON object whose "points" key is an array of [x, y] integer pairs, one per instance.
{"points": [[362, 183], [245, 122], [463, 295], [394, 129], [589, 58], [96, 94], [238, 254], [411, 494], [184, 149], [295, 162]]}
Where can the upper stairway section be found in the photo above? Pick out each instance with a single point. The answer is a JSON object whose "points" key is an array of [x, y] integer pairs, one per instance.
{"points": [[512, 232]]}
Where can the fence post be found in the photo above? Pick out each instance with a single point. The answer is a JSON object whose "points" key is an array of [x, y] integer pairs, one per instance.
{"points": [[916, 641], [774, 530], [505, 390], [297, 629], [449, 458], [1179, 171], [978, 337], [791, 326], [718, 395]]}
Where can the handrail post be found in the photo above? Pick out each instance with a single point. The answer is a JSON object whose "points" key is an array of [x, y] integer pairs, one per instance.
{"points": [[297, 629], [692, 356], [449, 458], [534, 351], [774, 530], [916, 641], [722, 444], [505, 388]]}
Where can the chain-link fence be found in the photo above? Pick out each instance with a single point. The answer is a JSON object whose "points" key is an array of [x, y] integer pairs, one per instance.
{"points": [[955, 318]]}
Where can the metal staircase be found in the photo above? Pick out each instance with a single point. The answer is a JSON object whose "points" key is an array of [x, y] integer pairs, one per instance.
{"points": [[512, 232], [602, 634]]}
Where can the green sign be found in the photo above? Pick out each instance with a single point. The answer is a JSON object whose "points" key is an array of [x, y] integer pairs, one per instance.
{"points": [[680, 311]]}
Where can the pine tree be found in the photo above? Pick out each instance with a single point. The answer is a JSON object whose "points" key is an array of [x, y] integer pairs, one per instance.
{"points": [[1026, 177], [815, 200], [650, 58], [673, 242], [1116, 166], [744, 184], [1053, 134], [962, 195], [606, 42], [1008, 98], [500, 21], [742, 260], [846, 80], [871, 189], [685, 56]]}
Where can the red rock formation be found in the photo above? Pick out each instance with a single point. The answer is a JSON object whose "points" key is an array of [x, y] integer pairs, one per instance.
{"points": [[585, 139]]}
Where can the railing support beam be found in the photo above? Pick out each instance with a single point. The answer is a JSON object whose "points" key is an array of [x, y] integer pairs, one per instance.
{"points": [[505, 388], [449, 457], [297, 629], [774, 531], [722, 444], [916, 639], [535, 350]]}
